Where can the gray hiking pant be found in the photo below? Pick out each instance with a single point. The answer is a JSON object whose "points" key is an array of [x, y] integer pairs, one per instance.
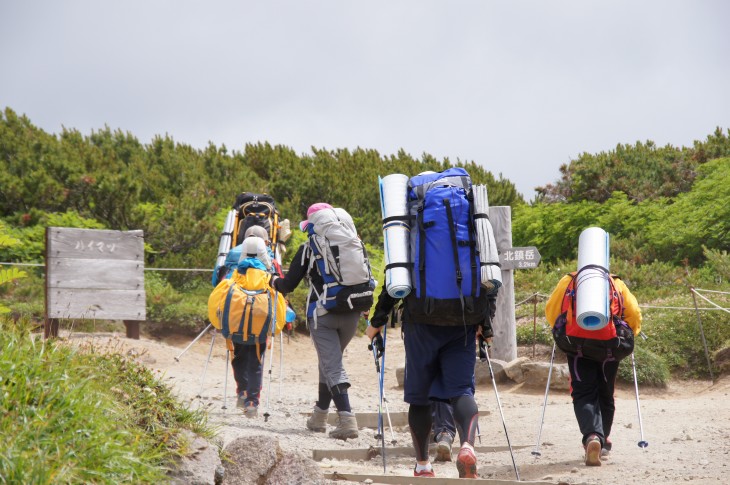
{"points": [[330, 337]]}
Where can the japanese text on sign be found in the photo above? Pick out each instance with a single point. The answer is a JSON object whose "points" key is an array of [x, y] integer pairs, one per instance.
{"points": [[99, 246], [519, 258]]}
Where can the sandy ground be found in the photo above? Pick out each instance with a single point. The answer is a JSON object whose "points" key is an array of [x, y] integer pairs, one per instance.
{"points": [[687, 425]]}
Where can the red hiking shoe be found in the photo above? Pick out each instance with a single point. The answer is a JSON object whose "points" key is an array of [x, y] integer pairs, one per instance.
{"points": [[466, 463], [424, 473]]}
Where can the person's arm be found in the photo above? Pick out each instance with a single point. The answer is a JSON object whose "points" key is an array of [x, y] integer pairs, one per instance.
{"points": [[554, 304], [297, 272], [383, 308], [632, 312]]}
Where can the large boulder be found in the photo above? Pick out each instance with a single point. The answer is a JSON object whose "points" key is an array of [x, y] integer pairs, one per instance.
{"points": [[481, 371], [536, 374], [260, 460], [513, 369], [202, 466]]}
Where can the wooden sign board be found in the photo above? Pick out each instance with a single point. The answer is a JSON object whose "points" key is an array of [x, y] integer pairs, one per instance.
{"points": [[95, 274]]}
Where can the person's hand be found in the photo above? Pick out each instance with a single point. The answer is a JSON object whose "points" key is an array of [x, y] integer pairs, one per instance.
{"points": [[371, 331]]}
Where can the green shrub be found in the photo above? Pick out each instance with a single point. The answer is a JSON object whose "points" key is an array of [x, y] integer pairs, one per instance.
{"points": [[527, 334], [64, 423], [651, 369]]}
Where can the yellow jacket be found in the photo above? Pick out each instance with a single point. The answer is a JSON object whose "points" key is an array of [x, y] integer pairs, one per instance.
{"points": [[632, 312]]}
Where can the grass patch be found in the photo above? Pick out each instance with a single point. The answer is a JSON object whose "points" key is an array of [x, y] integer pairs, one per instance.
{"points": [[84, 416]]}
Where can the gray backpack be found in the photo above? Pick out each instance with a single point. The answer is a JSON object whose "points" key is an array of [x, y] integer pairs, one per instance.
{"points": [[341, 260]]}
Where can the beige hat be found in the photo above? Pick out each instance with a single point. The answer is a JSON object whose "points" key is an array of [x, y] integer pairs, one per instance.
{"points": [[257, 231], [255, 247]]}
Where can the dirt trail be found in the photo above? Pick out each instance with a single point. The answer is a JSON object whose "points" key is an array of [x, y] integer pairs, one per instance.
{"points": [[687, 425]]}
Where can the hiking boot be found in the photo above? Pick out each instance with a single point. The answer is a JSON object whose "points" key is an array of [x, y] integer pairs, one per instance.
{"points": [[593, 451], [428, 473], [443, 448], [346, 426], [317, 422], [606, 450], [251, 411], [466, 463], [241, 401]]}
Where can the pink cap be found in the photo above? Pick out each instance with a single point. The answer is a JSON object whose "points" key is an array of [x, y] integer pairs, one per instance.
{"points": [[312, 209]]}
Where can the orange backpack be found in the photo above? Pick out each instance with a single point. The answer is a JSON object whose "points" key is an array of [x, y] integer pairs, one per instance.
{"points": [[612, 342]]}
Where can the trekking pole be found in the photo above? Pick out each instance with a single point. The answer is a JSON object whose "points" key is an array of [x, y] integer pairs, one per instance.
{"points": [[484, 355], [177, 359], [642, 443], [536, 451], [281, 361], [382, 385], [225, 382], [205, 369], [271, 356], [377, 346]]}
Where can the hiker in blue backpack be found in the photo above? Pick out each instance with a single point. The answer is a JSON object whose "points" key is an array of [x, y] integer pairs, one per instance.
{"points": [[336, 267], [592, 368], [443, 314], [234, 255], [256, 305]]}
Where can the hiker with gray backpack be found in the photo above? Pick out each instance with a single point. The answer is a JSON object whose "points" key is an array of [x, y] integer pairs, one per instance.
{"points": [[334, 263]]}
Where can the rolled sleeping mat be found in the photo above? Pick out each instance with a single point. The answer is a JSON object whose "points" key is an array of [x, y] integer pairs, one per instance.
{"points": [[226, 238], [491, 273], [592, 306], [396, 233]]}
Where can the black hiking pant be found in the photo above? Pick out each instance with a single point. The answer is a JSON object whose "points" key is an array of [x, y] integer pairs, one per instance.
{"points": [[591, 387]]}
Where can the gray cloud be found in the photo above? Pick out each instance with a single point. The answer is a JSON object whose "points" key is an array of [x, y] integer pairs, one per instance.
{"points": [[520, 87]]}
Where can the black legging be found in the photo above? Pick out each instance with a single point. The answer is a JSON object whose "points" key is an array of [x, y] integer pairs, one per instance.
{"points": [[466, 416]]}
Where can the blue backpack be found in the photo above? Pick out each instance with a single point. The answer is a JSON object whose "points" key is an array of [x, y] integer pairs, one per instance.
{"points": [[446, 267]]}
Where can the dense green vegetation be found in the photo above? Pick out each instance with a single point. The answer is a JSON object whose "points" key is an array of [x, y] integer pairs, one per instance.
{"points": [[667, 210], [61, 422]]}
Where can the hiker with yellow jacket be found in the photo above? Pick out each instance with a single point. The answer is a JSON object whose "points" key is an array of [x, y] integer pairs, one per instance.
{"points": [[593, 358]]}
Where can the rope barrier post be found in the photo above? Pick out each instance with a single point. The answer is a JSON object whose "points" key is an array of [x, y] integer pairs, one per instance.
{"points": [[702, 334], [699, 323]]}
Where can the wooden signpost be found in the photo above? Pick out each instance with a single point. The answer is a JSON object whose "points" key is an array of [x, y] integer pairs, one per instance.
{"points": [[95, 275]]}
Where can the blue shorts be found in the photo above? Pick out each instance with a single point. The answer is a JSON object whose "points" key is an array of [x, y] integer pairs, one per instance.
{"points": [[439, 362]]}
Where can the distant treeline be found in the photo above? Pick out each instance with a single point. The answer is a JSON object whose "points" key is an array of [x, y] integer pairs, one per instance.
{"points": [[658, 202], [179, 195]]}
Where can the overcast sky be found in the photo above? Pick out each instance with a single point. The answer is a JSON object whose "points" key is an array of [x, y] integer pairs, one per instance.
{"points": [[519, 87]]}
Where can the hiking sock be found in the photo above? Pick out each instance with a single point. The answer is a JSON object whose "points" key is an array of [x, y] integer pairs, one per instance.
{"points": [[466, 414], [340, 397], [342, 402], [419, 420], [325, 397]]}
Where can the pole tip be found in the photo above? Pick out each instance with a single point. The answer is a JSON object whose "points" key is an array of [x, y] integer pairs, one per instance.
{"points": [[643, 444]]}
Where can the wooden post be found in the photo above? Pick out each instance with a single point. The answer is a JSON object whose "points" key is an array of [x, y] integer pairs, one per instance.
{"points": [[50, 328], [132, 329], [505, 328]]}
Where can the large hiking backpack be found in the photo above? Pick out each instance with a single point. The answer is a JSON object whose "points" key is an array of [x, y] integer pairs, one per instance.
{"points": [[244, 307], [612, 342], [342, 261], [256, 210], [443, 248]]}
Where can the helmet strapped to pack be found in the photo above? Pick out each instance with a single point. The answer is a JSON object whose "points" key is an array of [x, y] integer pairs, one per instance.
{"points": [[341, 260], [256, 210]]}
